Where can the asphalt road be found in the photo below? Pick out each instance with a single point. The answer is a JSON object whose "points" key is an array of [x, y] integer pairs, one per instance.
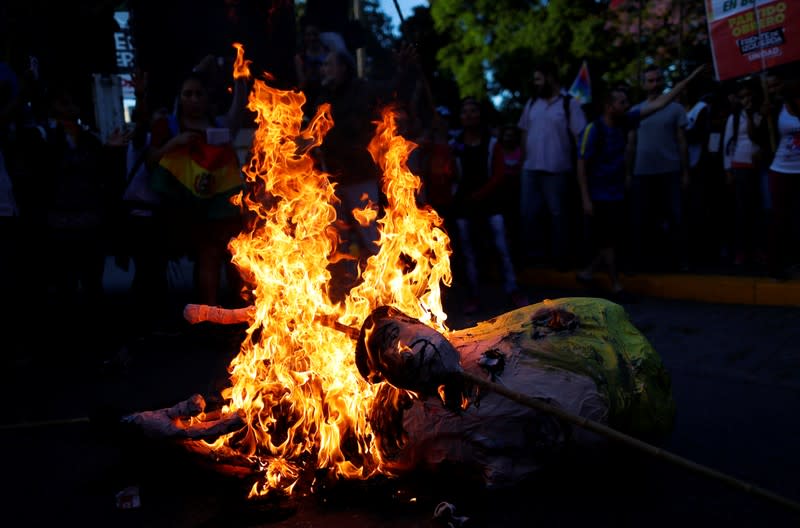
{"points": [[736, 381]]}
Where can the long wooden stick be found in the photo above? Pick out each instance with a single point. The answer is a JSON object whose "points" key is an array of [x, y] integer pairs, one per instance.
{"points": [[44, 423], [630, 441]]}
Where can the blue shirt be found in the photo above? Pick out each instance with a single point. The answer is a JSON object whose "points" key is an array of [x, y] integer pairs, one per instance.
{"points": [[603, 148]]}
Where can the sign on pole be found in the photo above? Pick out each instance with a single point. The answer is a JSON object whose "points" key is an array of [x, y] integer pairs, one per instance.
{"points": [[748, 36]]}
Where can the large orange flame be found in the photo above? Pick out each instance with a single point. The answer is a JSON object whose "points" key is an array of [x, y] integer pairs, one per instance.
{"points": [[295, 378]]}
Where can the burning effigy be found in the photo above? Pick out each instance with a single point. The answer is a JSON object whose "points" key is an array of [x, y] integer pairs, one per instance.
{"points": [[376, 383], [579, 355]]}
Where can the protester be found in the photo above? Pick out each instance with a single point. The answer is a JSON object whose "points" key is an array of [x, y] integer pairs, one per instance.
{"points": [[785, 182], [770, 111], [196, 171], [697, 103], [550, 122], [601, 174], [308, 63], [80, 195], [438, 163], [145, 241], [11, 255], [742, 156], [478, 202], [507, 166], [355, 104], [659, 176]]}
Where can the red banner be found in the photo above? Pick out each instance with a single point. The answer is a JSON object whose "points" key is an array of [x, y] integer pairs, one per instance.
{"points": [[750, 35]]}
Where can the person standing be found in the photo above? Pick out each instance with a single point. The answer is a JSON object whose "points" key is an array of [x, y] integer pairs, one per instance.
{"points": [[660, 173], [741, 155], [354, 105], [195, 171], [550, 122], [784, 179], [439, 166], [507, 164], [601, 174], [308, 64], [479, 200]]}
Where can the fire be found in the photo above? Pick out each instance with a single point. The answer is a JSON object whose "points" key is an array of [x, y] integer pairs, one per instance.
{"points": [[241, 66], [295, 378]]}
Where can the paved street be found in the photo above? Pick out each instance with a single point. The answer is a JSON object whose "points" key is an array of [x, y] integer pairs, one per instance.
{"points": [[736, 382]]}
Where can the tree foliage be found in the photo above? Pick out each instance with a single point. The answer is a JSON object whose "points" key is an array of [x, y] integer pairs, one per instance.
{"points": [[494, 44], [507, 37], [673, 32]]}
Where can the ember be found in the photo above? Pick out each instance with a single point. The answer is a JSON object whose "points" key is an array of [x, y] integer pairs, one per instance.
{"points": [[294, 380]]}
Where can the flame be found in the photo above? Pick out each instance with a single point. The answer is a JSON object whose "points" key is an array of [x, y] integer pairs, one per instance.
{"points": [[294, 379], [241, 66]]}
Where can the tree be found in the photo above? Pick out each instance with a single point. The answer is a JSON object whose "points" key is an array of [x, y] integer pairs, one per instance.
{"points": [[378, 40], [507, 37], [494, 44], [673, 32]]}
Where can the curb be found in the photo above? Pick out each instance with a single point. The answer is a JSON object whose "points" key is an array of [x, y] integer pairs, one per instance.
{"points": [[722, 289]]}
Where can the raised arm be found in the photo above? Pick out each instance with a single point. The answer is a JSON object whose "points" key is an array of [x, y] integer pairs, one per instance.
{"points": [[664, 99]]}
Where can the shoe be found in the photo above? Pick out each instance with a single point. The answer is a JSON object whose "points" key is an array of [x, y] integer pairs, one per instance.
{"points": [[584, 276]]}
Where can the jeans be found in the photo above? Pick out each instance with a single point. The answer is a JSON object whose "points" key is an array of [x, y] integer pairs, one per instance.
{"points": [[747, 186], [541, 188], [656, 202], [785, 191]]}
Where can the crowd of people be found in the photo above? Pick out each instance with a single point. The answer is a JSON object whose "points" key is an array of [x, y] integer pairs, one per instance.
{"points": [[698, 177], [683, 179]]}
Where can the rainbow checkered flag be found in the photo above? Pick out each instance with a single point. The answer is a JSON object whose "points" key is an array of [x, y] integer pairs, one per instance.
{"points": [[581, 88]]}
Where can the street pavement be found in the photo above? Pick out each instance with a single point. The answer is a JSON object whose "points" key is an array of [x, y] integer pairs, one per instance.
{"points": [[736, 382]]}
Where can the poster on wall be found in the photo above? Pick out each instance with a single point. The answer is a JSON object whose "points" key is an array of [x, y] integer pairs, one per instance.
{"points": [[748, 36]]}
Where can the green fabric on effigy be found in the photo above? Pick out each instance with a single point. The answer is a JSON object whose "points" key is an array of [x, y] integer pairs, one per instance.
{"points": [[600, 343]]}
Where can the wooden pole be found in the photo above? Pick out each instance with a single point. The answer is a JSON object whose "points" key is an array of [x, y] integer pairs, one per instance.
{"points": [[630, 441], [399, 13], [425, 84], [773, 140]]}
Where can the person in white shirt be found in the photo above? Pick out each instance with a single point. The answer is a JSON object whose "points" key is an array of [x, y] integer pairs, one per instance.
{"points": [[784, 179], [741, 154], [550, 122]]}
